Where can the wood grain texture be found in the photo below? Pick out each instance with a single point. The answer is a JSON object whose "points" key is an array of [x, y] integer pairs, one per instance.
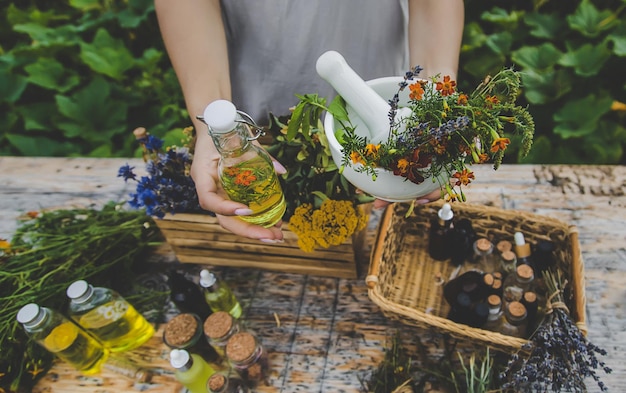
{"points": [[324, 334]]}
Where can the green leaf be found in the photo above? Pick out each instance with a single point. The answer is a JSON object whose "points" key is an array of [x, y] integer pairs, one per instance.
{"points": [[92, 113], [580, 117], [37, 116], [589, 21], [296, 119], [546, 26], [11, 87], [546, 86], [473, 37], [86, 5], [43, 36], [499, 16], [618, 36], [537, 58], [50, 74], [29, 145], [483, 62], [135, 13], [500, 42], [587, 60], [107, 55]]}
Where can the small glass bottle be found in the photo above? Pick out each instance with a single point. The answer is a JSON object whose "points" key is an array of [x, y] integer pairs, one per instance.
{"points": [[63, 338], [108, 316], [516, 284], [462, 238], [247, 356], [187, 295], [439, 234], [185, 331], [191, 370], [515, 320], [218, 328], [531, 302], [508, 263], [484, 256], [218, 295], [226, 382], [522, 250], [495, 313], [246, 172]]}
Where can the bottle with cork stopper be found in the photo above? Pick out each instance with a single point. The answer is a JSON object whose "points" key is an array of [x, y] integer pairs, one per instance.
{"points": [[185, 331], [247, 356], [484, 256], [495, 313], [226, 382], [439, 234], [508, 263], [515, 320], [515, 285], [218, 328]]}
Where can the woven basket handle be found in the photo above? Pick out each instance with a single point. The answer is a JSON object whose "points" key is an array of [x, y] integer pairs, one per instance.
{"points": [[377, 252], [578, 281]]}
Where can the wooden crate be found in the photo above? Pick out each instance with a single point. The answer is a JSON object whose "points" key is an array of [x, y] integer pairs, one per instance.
{"points": [[198, 238]]}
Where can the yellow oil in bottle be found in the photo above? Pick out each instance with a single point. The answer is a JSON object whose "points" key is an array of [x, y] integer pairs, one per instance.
{"points": [[118, 326], [256, 184], [77, 348]]}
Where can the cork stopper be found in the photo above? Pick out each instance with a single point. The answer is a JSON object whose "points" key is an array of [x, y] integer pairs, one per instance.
{"points": [[218, 324], [508, 256], [525, 272], [140, 133], [483, 245], [497, 275], [497, 284], [216, 382], [488, 279], [517, 309], [530, 297], [180, 330], [494, 300], [241, 346], [504, 245]]}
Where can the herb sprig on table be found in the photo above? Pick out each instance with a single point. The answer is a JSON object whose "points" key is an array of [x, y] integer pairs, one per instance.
{"points": [[45, 255]]}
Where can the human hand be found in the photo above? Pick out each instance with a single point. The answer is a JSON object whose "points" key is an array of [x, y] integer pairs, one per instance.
{"points": [[213, 198], [433, 196]]}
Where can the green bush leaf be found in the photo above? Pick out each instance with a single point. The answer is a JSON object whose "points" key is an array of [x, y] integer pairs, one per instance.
{"points": [[29, 145], [500, 43], [618, 37], [91, 113], [50, 74], [473, 37], [136, 12], [589, 21], [37, 116], [500, 16], [586, 60], [580, 117], [545, 86], [547, 26], [11, 87], [541, 57], [43, 36], [107, 55]]}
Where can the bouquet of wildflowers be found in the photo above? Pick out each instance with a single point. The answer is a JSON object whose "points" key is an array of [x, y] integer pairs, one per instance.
{"points": [[446, 132], [168, 188]]}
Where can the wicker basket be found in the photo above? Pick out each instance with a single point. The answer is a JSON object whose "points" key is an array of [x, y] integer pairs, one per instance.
{"points": [[406, 283]]}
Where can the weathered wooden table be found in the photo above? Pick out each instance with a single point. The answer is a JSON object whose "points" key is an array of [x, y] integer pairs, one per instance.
{"points": [[324, 334]]}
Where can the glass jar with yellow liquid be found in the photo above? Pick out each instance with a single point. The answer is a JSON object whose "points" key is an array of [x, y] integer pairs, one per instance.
{"points": [[108, 316], [63, 338], [245, 170]]}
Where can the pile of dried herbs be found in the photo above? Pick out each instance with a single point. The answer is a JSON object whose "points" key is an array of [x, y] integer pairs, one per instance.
{"points": [[49, 252], [558, 356]]}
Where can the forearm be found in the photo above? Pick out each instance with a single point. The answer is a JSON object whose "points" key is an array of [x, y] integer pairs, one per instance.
{"points": [[435, 34], [193, 33]]}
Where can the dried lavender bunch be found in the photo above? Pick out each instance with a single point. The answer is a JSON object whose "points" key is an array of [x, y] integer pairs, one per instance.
{"points": [[558, 356]]}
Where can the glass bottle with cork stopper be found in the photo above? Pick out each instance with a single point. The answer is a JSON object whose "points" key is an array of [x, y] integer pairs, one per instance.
{"points": [[515, 285], [108, 316], [218, 328], [508, 263], [185, 331], [495, 313], [515, 320], [218, 294], [63, 338], [247, 356], [484, 256], [439, 246], [226, 382], [245, 170]]}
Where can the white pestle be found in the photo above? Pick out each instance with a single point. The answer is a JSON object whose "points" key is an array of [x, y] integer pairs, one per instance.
{"points": [[371, 108]]}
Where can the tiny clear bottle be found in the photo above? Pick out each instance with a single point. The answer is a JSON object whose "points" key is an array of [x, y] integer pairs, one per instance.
{"points": [[516, 284], [439, 246], [246, 172], [508, 263], [108, 316], [530, 300], [226, 382], [191, 370], [484, 256], [218, 294], [515, 320], [63, 338], [495, 313], [248, 357], [218, 328], [185, 331]]}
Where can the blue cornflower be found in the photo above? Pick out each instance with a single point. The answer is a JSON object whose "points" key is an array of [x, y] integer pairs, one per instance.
{"points": [[126, 171], [152, 143]]}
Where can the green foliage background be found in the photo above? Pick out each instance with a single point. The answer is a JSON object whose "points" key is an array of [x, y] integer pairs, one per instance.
{"points": [[77, 76]]}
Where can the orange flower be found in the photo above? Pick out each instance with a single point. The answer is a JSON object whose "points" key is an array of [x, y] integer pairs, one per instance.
{"points": [[4, 245], [32, 214], [371, 149], [417, 91], [402, 165], [356, 158], [447, 86], [462, 99], [482, 158], [490, 101], [245, 178], [464, 177], [499, 144]]}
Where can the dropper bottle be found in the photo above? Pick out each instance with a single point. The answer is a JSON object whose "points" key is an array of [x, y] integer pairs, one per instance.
{"points": [[522, 250], [218, 295], [439, 233]]}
